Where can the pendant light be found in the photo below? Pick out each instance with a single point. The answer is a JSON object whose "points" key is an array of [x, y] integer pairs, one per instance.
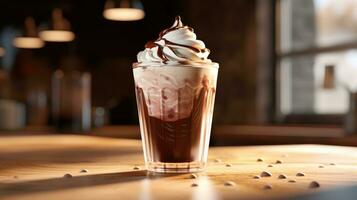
{"points": [[123, 10], [29, 39], [60, 29]]}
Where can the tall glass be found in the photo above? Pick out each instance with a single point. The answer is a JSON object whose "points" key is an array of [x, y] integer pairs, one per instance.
{"points": [[175, 105]]}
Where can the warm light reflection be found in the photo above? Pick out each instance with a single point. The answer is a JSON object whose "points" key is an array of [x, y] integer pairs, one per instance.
{"points": [[205, 190], [145, 190], [2, 51], [57, 35], [123, 14], [28, 42]]}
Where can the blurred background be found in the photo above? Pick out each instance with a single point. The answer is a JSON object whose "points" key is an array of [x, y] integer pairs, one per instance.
{"points": [[288, 68]]}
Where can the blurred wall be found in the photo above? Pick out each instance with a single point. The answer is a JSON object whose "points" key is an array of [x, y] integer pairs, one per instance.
{"points": [[107, 49]]}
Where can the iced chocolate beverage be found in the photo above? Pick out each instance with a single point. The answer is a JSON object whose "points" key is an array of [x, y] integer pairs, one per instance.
{"points": [[175, 89]]}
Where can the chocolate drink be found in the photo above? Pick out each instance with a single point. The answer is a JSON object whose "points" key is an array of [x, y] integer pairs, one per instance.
{"points": [[175, 88], [175, 107], [177, 141]]}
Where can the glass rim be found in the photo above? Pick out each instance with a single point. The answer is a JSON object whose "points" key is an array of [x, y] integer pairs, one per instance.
{"points": [[199, 65]]}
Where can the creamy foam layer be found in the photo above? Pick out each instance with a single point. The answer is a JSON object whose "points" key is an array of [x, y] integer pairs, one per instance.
{"points": [[172, 70], [169, 91], [177, 44]]}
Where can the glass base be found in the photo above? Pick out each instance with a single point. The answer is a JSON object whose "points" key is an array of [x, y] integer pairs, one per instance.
{"points": [[185, 167]]}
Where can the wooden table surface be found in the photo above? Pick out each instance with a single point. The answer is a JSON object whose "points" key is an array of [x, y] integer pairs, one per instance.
{"points": [[33, 167]]}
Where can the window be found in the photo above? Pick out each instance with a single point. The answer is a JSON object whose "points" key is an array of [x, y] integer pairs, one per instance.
{"points": [[316, 54]]}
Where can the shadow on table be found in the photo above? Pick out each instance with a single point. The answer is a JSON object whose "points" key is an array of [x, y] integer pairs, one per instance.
{"points": [[46, 185], [343, 193]]}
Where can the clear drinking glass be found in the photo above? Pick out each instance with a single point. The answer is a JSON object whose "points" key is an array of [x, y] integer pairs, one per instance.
{"points": [[175, 106], [71, 101]]}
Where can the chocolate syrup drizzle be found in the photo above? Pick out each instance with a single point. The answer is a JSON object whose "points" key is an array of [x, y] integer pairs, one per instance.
{"points": [[177, 25]]}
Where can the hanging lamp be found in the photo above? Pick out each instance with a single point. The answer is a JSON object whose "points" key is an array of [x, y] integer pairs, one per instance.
{"points": [[60, 29], [123, 10], [29, 38]]}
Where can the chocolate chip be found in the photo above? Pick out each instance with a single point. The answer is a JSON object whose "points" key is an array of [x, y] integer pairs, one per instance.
{"points": [[270, 165], [229, 183], [193, 176], [136, 168], [278, 162], [256, 177], [321, 166], [67, 176], [16, 177], [260, 160], [300, 174], [314, 184], [292, 181], [282, 176], [265, 174], [267, 187], [228, 165], [332, 164], [217, 160], [194, 185], [83, 171]]}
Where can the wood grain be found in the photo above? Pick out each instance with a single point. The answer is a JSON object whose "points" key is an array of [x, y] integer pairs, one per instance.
{"points": [[32, 167]]}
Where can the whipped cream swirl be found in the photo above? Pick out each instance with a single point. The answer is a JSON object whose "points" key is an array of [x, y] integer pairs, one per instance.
{"points": [[177, 44]]}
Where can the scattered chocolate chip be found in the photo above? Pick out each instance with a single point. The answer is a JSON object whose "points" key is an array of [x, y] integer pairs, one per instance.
{"points": [[229, 183], [332, 164], [321, 166], [83, 171], [194, 185], [260, 160], [228, 165], [16, 177], [217, 160], [292, 181], [265, 174], [267, 187], [282, 176], [300, 174], [278, 162], [193, 176], [270, 165], [314, 184], [67, 176], [256, 177], [136, 168]]}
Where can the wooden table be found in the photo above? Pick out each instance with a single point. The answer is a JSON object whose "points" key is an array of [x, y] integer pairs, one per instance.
{"points": [[33, 167]]}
